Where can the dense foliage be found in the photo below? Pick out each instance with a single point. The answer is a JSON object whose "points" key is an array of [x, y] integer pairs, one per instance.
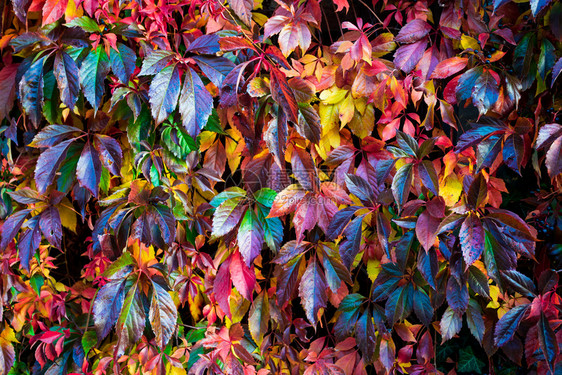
{"points": [[258, 187]]}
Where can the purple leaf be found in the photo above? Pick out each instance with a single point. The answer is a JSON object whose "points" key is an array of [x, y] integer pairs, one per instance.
{"points": [[88, 170], [250, 237], [508, 324], [12, 226], [52, 135], [340, 221], [7, 89], [48, 163], [29, 241], [166, 222], [413, 31], [312, 291], [422, 307], [110, 152], [215, 68], [349, 248], [472, 239], [242, 9], [547, 134], [196, 103], [26, 196], [287, 280], [401, 183], [122, 62], [31, 91], [66, 73], [164, 92], [547, 340], [207, 44], [162, 314], [407, 56], [50, 224], [520, 283], [554, 158], [361, 189], [227, 216], [457, 295], [513, 151], [155, 62], [485, 92]]}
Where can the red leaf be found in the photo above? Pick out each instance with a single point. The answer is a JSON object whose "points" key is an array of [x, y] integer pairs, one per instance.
{"points": [[222, 287], [449, 67], [243, 278], [53, 10], [341, 4], [283, 95], [426, 229], [7, 89]]}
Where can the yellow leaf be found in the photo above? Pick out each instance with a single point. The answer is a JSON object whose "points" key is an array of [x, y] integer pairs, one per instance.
{"points": [[206, 139], [234, 148], [333, 95], [67, 215], [383, 44], [328, 141], [195, 305], [8, 334], [259, 18], [373, 268], [173, 370], [328, 117], [362, 126], [346, 110], [238, 306], [450, 189], [72, 12], [469, 42]]}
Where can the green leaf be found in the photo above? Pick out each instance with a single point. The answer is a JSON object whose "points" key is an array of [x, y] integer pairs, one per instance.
{"points": [[93, 71], [132, 318], [89, 340], [227, 216], [258, 318], [85, 23], [36, 282], [469, 362]]}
